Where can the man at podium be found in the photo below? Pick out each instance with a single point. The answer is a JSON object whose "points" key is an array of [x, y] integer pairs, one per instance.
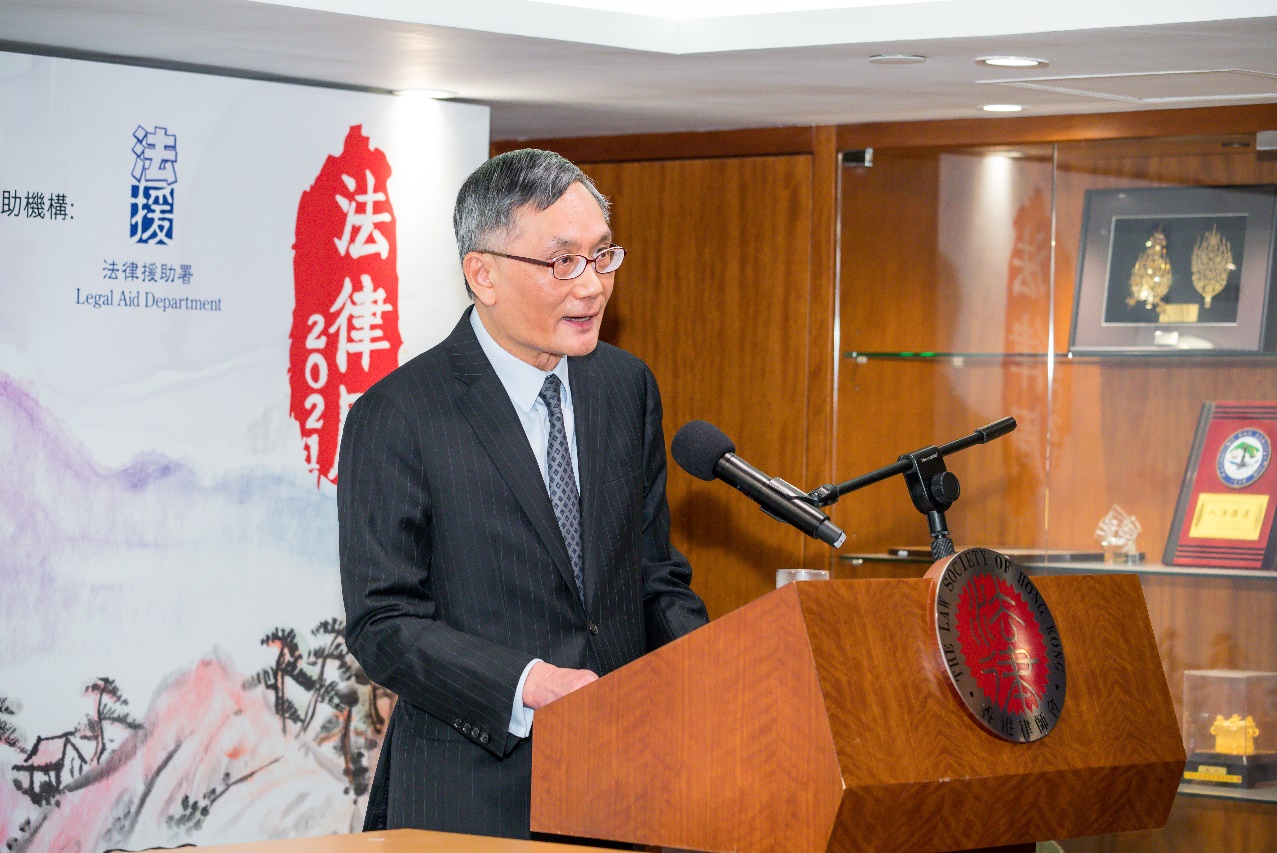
{"points": [[503, 520]]}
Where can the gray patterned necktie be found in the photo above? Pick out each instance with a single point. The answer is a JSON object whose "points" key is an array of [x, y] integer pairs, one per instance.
{"points": [[560, 481]]}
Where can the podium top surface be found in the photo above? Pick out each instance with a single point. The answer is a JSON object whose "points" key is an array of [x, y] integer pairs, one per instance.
{"points": [[401, 841]]}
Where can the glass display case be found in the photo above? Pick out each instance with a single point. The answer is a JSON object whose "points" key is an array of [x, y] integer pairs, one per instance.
{"points": [[1230, 728], [958, 276]]}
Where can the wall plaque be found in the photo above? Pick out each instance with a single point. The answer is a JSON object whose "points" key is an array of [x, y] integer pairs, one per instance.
{"points": [[1224, 516]]}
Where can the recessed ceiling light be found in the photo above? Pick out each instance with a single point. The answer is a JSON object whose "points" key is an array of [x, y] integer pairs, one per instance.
{"points": [[1012, 62], [1001, 108], [897, 59], [436, 94]]}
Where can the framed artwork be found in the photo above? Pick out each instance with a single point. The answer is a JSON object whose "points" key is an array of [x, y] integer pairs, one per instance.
{"points": [[1176, 270], [1224, 515]]}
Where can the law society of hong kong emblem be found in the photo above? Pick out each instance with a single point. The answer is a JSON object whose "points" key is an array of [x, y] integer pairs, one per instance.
{"points": [[1243, 458], [1000, 645]]}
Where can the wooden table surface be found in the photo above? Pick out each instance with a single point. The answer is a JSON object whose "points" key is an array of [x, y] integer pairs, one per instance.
{"points": [[400, 841]]}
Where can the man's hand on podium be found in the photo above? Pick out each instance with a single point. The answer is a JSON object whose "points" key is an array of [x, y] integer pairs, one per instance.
{"points": [[546, 682]]}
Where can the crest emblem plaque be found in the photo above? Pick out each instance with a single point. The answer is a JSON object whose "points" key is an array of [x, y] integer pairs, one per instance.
{"points": [[1243, 458], [1000, 645]]}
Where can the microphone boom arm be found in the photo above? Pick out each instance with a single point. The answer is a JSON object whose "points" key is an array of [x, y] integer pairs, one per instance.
{"points": [[932, 487]]}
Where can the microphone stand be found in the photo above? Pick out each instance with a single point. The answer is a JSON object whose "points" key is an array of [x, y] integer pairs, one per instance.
{"points": [[932, 487]]}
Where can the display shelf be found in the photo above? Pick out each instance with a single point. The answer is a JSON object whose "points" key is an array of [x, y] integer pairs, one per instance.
{"points": [[1254, 795], [987, 356], [1074, 567], [1179, 356], [858, 559], [1150, 569]]}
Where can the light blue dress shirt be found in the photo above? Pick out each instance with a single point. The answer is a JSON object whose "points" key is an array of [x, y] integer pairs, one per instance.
{"points": [[523, 383]]}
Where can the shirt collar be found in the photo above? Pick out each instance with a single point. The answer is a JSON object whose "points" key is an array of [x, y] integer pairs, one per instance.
{"points": [[522, 381]]}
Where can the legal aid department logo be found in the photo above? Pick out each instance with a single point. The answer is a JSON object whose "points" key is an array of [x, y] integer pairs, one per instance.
{"points": [[1000, 645], [1243, 458], [154, 187], [345, 331]]}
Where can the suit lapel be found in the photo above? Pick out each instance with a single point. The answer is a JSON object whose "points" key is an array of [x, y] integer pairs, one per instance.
{"points": [[590, 411], [486, 406]]}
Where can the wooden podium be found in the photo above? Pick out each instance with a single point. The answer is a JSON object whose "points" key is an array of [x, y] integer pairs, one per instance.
{"points": [[821, 717]]}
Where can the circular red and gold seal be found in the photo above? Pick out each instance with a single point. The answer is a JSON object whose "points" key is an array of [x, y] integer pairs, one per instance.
{"points": [[999, 643]]}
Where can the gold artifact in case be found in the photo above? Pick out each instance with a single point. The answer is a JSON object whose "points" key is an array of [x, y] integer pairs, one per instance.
{"points": [[1230, 727]]}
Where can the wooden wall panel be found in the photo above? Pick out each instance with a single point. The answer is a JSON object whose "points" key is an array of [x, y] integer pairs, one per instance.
{"points": [[910, 282], [891, 407], [1211, 623], [888, 254], [1130, 429], [1196, 825], [715, 296]]}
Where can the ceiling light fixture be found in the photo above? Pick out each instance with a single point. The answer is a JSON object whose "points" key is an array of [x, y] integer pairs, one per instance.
{"points": [[436, 94], [897, 59], [1012, 62], [1001, 108]]}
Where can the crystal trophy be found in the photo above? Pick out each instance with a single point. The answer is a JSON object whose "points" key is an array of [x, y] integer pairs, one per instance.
{"points": [[1116, 533]]}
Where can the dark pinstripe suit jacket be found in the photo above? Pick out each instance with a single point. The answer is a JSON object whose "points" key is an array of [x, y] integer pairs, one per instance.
{"points": [[455, 574]]}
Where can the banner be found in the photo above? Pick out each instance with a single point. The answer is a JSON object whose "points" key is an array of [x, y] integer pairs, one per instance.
{"points": [[201, 275]]}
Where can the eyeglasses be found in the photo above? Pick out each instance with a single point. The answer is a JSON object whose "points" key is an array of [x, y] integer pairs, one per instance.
{"points": [[567, 267]]}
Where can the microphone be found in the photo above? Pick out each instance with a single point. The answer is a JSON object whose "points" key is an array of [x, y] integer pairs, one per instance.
{"points": [[702, 450]]}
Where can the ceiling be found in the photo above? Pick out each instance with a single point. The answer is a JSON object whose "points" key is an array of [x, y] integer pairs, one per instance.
{"points": [[548, 69]]}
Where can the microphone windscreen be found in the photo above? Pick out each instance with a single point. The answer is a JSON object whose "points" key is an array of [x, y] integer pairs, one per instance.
{"points": [[697, 447]]}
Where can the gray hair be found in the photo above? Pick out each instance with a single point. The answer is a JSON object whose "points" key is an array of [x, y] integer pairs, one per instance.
{"points": [[489, 199]]}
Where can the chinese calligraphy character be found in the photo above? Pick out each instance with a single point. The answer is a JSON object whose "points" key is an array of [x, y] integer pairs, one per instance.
{"points": [[10, 203], [994, 616], [154, 175], [357, 321], [1026, 730], [58, 206], [1040, 721], [185, 275], [151, 218], [365, 219], [34, 204], [168, 273], [1012, 669], [148, 272], [110, 270], [156, 153], [1007, 726], [128, 270]]}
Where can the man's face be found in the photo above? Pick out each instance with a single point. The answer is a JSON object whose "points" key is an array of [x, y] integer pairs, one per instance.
{"points": [[530, 313]]}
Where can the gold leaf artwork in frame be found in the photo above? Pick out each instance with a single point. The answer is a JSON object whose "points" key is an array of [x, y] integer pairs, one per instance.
{"points": [[1151, 277], [1212, 262]]}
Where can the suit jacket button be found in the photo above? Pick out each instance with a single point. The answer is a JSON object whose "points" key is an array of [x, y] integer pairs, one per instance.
{"points": [[456, 724], [594, 629], [484, 738]]}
